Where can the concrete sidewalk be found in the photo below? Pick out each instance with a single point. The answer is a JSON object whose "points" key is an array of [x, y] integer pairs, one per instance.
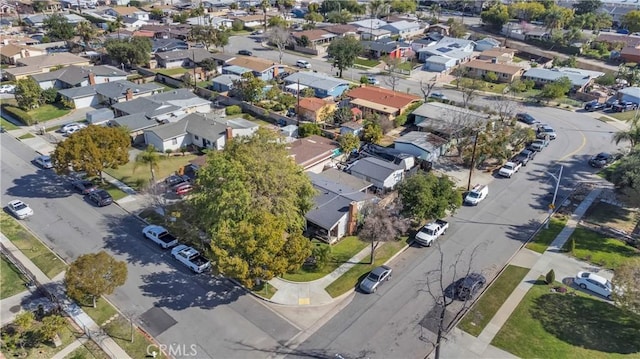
{"points": [[56, 288]]}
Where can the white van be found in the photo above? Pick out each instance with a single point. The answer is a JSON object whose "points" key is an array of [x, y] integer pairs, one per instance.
{"points": [[303, 64], [477, 194]]}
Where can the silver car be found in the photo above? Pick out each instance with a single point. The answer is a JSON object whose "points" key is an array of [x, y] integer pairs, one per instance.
{"points": [[19, 209], [43, 161], [378, 275]]}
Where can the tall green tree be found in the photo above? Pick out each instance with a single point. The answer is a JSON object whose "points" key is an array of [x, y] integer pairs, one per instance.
{"points": [[151, 158], [631, 20], [28, 94], [308, 129], [349, 142], [58, 27], [51, 326], [342, 115], [626, 284], [133, 51], [93, 275], [339, 17], [249, 87], [557, 17], [427, 196], [344, 51], [86, 31], [403, 6], [92, 150], [372, 132], [255, 223], [378, 226], [496, 16], [116, 25], [627, 173], [587, 6], [631, 135], [527, 10], [556, 89]]}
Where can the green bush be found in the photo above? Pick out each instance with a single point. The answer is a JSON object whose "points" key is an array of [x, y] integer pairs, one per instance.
{"points": [[364, 79], [322, 254], [233, 110], [19, 114], [550, 277], [279, 107]]}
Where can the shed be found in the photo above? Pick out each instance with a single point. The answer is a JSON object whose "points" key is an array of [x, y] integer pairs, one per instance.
{"points": [[100, 116]]}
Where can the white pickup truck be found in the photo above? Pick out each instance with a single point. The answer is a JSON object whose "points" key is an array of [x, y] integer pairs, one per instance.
{"points": [[509, 168], [160, 235], [431, 232], [191, 258]]}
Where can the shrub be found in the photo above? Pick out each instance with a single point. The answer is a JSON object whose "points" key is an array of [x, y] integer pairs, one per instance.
{"points": [[233, 110], [550, 277], [19, 114], [572, 245], [308, 129], [322, 255], [364, 79], [168, 151], [279, 107]]}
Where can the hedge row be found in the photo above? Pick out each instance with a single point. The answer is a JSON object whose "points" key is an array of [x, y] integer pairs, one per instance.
{"points": [[18, 114]]}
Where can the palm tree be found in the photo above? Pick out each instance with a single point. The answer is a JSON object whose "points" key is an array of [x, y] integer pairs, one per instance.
{"points": [[116, 25], [632, 134], [265, 5], [148, 157], [554, 19], [86, 31], [436, 10]]}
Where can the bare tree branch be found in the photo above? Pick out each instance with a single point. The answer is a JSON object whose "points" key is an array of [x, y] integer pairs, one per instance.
{"points": [[427, 87], [393, 76], [280, 37]]}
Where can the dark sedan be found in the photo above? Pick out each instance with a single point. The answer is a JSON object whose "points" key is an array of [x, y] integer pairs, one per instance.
{"points": [[594, 106], [602, 159], [245, 53], [175, 180], [526, 118], [101, 198], [83, 186], [469, 286]]}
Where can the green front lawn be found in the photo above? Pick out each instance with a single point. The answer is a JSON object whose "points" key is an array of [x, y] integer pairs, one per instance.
{"points": [[11, 280], [31, 246], [554, 325], [366, 62], [265, 290], [613, 216], [596, 248], [623, 116], [26, 136], [101, 313], [406, 66], [173, 72], [544, 238], [341, 253], [486, 85], [141, 176], [488, 305], [48, 112], [353, 276], [8, 126], [115, 192]]}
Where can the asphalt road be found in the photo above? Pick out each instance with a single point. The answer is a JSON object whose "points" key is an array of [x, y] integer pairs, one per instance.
{"points": [[174, 305], [387, 324]]}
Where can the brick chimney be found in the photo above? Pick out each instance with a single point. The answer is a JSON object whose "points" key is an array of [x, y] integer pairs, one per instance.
{"points": [[129, 95], [352, 220], [228, 133], [92, 78]]}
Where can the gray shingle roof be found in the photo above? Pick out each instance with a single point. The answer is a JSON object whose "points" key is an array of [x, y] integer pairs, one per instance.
{"points": [[116, 89], [195, 54], [226, 79], [136, 122], [401, 25], [74, 75], [315, 80], [201, 125], [338, 182], [328, 210], [374, 168], [553, 75], [449, 113], [423, 140]]}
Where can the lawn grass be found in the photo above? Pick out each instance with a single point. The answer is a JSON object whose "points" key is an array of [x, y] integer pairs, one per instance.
{"points": [[623, 116], [90, 350], [341, 252], [366, 62], [554, 325], [546, 235], [488, 305], [352, 277], [46, 350], [613, 216], [406, 66], [101, 313], [26, 136], [604, 119], [37, 252], [115, 192], [607, 171], [8, 126], [265, 290], [487, 86], [166, 86], [48, 112], [598, 249], [11, 280], [167, 166], [173, 72], [120, 331]]}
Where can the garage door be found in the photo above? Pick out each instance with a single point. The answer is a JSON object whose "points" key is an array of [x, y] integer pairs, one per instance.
{"points": [[85, 102]]}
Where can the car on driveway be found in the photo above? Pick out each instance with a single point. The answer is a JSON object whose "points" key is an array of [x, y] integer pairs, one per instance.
{"points": [[83, 186], [594, 283], [175, 180], [371, 282], [19, 209], [245, 53], [623, 106], [100, 197], [467, 287], [183, 189], [65, 128], [43, 161], [7, 89], [526, 118], [372, 80]]}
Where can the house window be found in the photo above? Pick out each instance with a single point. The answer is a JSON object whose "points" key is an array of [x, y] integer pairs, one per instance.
{"points": [[174, 141], [197, 138]]}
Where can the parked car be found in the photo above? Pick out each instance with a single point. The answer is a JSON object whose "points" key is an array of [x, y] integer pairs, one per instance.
{"points": [[509, 169], [372, 80], [526, 118], [623, 106], [476, 195], [190, 258], [100, 197], [469, 286], [594, 283], [175, 180], [183, 189], [538, 145], [546, 130], [594, 106], [19, 209], [7, 89], [245, 53], [71, 130], [602, 159], [303, 64], [160, 236], [438, 96], [69, 126], [43, 161], [523, 157], [371, 282], [431, 231], [84, 186]]}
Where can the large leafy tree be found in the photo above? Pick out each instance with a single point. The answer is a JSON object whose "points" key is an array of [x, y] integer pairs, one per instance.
{"points": [[28, 94], [349, 142], [527, 10], [58, 27], [93, 275], [344, 51], [627, 285], [427, 196], [51, 326], [380, 225], [556, 17], [556, 89], [632, 134], [86, 31], [255, 222], [587, 6], [249, 87], [403, 6], [496, 16], [339, 17], [134, 51], [92, 150], [627, 173], [631, 20]]}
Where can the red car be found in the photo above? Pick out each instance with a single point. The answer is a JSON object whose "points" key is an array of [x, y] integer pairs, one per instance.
{"points": [[183, 189]]}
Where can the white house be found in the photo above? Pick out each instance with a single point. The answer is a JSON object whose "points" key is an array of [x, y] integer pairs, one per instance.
{"points": [[108, 93], [382, 174], [439, 63], [404, 28], [631, 94], [486, 44], [459, 49], [423, 145]]}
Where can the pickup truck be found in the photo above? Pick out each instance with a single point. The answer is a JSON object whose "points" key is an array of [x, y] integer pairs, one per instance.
{"points": [[191, 258], [509, 168], [160, 235], [431, 231], [476, 195]]}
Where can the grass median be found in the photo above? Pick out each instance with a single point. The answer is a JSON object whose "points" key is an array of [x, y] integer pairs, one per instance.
{"points": [[31, 246], [545, 236], [352, 277], [11, 280]]}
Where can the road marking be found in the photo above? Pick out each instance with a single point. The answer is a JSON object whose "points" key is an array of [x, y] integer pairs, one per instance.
{"points": [[304, 301], [584, 142]]}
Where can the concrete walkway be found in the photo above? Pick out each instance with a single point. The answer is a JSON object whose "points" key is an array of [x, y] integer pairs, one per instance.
{"points": [[70, 348], [56, 287]]}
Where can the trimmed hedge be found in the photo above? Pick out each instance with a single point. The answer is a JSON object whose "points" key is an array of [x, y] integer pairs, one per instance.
{"points": [[18, 114], [233, 110]]}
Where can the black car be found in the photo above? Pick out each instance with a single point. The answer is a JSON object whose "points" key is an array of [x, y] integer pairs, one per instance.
{"points": [[526, 118], [602, 159], [83, 186], [523, 157], [245, 53], [101, 198], [623, 106], [469, 286], [175, 180], [594, 106]]}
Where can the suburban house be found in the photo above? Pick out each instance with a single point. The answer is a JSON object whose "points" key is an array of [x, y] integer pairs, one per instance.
{"points": [[387, 47], [423, 145], [373, 34], [631, 94], [487, 43], [351, 127], [447, 120], [497, 54], [178, 31], [579, 78], [215, 21], [182, 58], [164, 106], [371, 23], [315, 110], [449, 47], [313, 153], [630, 53], [39, 64], [108, 93], [384, 102], [37, 20], [79, 76], [342, 29], [404, 28], [128, 12], [382, 174], [202, 130], [339, 199], [440, 63], [315, 37], [100, 116], [506, 73], [324, 85], [441, 29], [11, 53], [251, 21], [261, 68], [162, 45], [224, 83], [133, 24]]}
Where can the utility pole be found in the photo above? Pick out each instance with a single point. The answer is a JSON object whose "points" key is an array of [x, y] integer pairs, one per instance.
{"points": [[193, 58], [473, 160], [552, 206], [298, 105]]}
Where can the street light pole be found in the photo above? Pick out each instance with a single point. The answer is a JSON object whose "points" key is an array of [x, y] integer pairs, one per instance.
{"points": [[552, 206]]}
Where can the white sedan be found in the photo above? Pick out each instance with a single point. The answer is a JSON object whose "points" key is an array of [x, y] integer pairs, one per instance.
{"points": [[20, 209], [7, 89], [72, 127], [44, 161], [594, 283]]}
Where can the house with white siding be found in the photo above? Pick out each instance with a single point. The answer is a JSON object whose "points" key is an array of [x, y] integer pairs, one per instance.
{"points": [[79, 76]]}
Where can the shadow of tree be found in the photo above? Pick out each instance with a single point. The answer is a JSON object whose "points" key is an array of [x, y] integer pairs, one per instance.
{"points": [[125, 239], [42, 184]]}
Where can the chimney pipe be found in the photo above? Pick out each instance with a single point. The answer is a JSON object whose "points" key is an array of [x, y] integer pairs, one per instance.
{"points": [[92, 78], [129, 95], [228, 133], [352, 220]]}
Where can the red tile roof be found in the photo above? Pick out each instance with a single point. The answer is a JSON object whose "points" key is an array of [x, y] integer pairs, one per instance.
{"points": [[312, 103], [382, 96]]}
